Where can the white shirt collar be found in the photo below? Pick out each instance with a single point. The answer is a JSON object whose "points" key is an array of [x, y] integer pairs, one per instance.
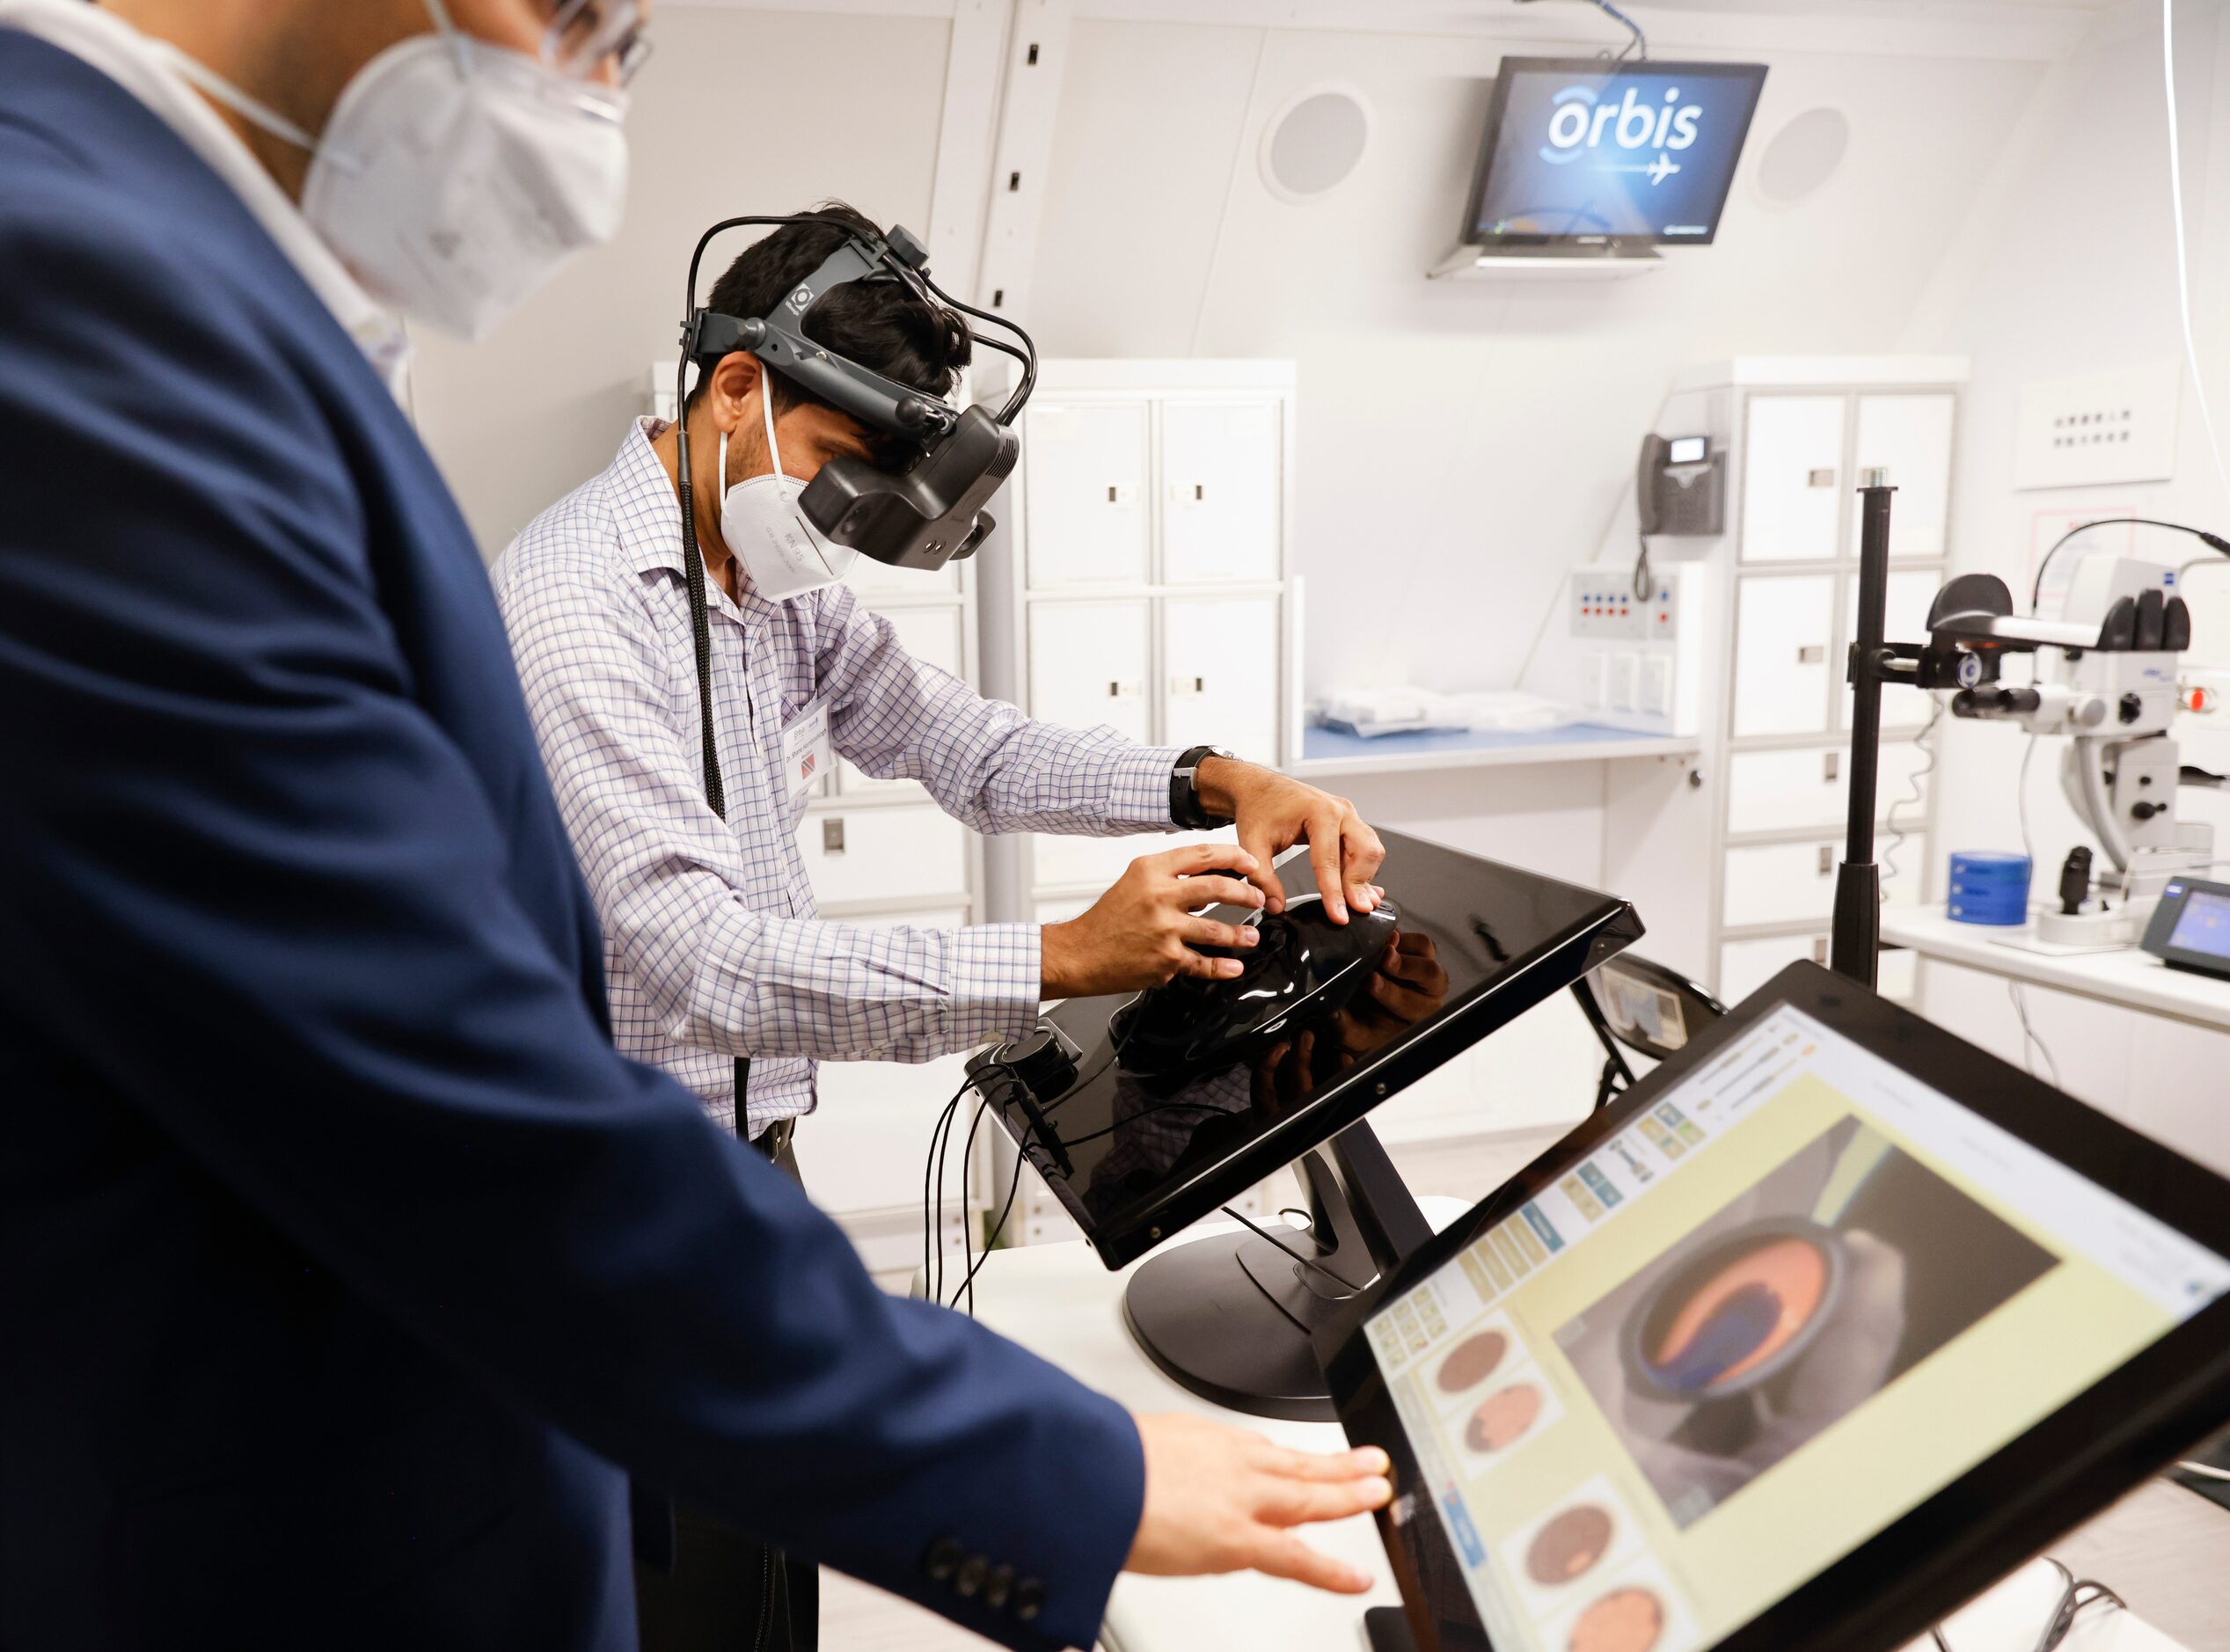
{"points": [[114, 46]]}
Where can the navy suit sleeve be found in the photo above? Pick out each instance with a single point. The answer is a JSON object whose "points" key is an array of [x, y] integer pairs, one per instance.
{"points": [[258, 888]]}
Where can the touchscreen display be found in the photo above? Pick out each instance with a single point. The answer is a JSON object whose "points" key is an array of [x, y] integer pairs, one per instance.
{"points": [[2205, 926], [1781, 1309]]}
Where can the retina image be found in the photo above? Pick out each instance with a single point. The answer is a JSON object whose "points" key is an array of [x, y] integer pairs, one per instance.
{"points": [[1784, 1312]]}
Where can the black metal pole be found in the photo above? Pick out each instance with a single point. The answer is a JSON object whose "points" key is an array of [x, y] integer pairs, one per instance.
{"points": [[1858, 881]]}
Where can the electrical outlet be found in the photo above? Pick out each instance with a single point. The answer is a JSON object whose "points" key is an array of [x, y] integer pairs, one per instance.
{"points": [[2105, 428]]}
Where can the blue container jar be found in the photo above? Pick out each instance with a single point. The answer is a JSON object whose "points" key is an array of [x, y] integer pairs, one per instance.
{"points": [[1988, 888]]}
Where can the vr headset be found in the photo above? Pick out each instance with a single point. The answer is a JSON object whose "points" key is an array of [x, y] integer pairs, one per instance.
{"points": [[931, 511]]}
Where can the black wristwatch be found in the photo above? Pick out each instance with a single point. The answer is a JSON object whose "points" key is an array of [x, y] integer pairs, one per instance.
{"points": [[1185, 807]]}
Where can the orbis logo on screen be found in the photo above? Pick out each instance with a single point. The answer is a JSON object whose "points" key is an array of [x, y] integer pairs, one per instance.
{"points": [[1581, 121]]}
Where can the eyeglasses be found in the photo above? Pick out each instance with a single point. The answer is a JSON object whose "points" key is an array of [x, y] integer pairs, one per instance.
{"points": [[588, 39]]}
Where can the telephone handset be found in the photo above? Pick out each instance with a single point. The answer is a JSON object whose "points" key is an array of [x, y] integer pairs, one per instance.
{"points": [[1680, 486]]}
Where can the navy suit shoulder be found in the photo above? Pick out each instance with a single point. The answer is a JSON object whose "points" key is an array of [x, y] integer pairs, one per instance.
{"points": [[343, 1263]]}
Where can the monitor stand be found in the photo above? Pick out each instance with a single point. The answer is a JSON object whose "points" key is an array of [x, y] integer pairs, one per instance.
{"points": [[1230, 1318]]}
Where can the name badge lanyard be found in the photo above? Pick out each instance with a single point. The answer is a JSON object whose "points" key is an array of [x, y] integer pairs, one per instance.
{"points": [[700, 630]]}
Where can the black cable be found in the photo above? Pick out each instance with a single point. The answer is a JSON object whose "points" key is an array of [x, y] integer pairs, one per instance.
{"points": [[1644, 574], [1013, 1187], [1014, 403], [967, 1243], [2211, 541], [930, 1250]]}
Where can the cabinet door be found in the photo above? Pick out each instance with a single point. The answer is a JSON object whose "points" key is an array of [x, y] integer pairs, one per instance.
{"points": [[1089, 663], [1783, 630], [1809, 788], [1779, 884], [865, 1140], [932, 636], [884, 856], [1219, 662], [1086, 495], [1745, 966], [1905, 619], [1792, 489], [1222, 500], [1909, 436]]}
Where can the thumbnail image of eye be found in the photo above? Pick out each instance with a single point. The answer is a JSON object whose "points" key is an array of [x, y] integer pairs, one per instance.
{"points": [[1625, 1620], [1503, 1417], [1568, 1546], [1473, 1360]]}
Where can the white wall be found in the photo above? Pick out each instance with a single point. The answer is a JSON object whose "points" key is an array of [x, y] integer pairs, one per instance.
{"points": [[731, 116], [1461, 444], [2071, 270]]}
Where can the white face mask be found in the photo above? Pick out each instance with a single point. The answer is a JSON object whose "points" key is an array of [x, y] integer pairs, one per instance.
{"points": [[454, 177], [784, 554]]}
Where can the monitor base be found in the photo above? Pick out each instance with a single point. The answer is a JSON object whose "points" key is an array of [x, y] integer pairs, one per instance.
{"points": [[1231, 1318], [1385, 1630]]}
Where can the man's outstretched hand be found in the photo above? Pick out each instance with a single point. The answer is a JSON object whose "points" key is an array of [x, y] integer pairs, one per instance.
{"points": [[1274, 811], [1223, 1500]]}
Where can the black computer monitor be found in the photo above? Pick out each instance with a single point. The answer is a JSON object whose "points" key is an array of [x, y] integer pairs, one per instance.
{"points": [[1818, 1331], [1161, 1127], [1583, 151]]}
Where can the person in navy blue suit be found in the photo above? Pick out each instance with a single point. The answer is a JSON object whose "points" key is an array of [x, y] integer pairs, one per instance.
{"points": [[346, 1273]]}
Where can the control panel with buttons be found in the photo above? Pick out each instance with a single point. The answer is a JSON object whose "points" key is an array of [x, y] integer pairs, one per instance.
{"points": [[1627, 658], [1601, 603]]}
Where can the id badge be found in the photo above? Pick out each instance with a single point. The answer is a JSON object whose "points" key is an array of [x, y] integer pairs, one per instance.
{"points": [[807, 754]]}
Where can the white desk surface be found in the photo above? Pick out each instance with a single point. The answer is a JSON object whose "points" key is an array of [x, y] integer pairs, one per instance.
{"points": [[2128, 976], [2165, 1550], [1327, 751]]}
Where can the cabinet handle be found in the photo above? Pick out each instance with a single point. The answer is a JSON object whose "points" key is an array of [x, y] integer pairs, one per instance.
{"points": [[1112, 492], [1819, 478], [1826, 859], [1123, 691], [1831, 765], [1189, 686], [1812, 653], [832, 835], [1820, 950], [1200, 491]]}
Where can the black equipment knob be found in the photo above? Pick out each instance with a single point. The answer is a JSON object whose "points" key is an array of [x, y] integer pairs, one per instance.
{"points": [[2147, 809], [1042, 1061], [2076, 880], [905, 248], [2133, 707]]}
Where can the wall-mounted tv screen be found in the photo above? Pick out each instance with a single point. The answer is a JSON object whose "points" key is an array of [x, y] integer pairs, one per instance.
{"points": [[1584, 152]]}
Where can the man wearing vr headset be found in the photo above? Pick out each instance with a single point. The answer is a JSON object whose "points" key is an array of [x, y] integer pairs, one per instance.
{"points": [[348, 1274], [711, 947]]}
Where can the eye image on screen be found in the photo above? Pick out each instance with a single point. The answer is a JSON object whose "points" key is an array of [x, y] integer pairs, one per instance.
{"points": [[1786, 1310]]}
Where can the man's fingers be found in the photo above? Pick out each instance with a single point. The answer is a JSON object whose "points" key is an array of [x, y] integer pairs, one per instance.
{"points": [[1206, 931], [1282, 1554], [1301, 1502], [1324, 856], [1319, 1465], [1193, 963], [1263, 848], [1207, 888], [1208, 858], [1364, 853]]}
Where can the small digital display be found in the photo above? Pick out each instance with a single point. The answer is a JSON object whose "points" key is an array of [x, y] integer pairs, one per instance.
{"points": [[1687, 451], [1578, 150], [2205, 926]]}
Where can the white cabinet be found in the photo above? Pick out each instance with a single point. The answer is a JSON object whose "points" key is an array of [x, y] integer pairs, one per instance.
{"points": [[1792, 479], [1091, 663], [1745, 966], [1219, 670], [1784, 636], [1085, 493], [1808, 788], [1222, 495], [871, 857], [1172, 624], [1909, 436], [1905, 619], [1794, 882]]}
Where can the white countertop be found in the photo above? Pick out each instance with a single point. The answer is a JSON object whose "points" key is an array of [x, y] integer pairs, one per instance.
{"points": [[2127, 977]]}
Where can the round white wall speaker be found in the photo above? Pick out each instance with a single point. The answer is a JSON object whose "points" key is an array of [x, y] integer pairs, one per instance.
{"points": [[1315, 142], [1802, 156]]}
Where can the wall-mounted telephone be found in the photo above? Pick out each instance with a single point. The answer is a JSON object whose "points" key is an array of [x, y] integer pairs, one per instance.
{"points": [[1680, 486]]}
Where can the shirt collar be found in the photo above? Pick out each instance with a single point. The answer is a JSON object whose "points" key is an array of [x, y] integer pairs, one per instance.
{"points": [[105, 41], [649, 509]]}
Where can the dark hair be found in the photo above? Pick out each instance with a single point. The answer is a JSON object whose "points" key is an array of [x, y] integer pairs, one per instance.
{"points": [[884, 325]]}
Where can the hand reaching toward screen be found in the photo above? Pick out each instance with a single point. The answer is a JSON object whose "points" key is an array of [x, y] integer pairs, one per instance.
{"points": [[1223, 1500]]}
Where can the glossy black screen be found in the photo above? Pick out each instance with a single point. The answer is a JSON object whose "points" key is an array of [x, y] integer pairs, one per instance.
{"points": [[1149, 1139]]}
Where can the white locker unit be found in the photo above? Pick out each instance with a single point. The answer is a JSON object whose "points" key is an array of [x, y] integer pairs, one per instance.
{"points": [[1148, 586], [1807, 430], [882, 852], [1145, 583]]}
